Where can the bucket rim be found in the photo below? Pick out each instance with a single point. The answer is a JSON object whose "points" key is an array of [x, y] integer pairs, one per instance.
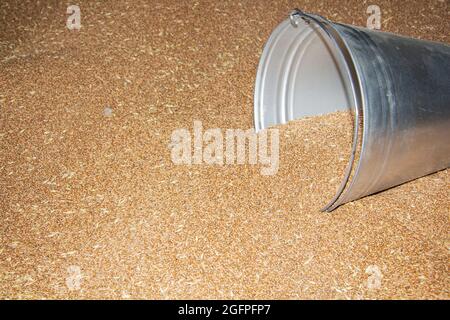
{"points": [[348, 62]]}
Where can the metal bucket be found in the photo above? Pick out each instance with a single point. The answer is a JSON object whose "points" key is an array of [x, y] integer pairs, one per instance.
{"points": [[397, 87]]}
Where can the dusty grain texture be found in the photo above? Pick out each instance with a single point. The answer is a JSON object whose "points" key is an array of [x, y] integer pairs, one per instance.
{"points": [[90, 199]]}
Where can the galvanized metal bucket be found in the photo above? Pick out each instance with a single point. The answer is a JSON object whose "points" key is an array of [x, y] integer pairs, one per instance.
{"points": [[397, 87]]}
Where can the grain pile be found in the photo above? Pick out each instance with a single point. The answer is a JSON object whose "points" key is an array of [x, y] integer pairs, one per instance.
{"points": [[92, 206], [314, 153]]}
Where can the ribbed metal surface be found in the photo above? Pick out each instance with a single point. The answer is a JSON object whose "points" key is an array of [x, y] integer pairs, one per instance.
{"points": [[281, 89]]}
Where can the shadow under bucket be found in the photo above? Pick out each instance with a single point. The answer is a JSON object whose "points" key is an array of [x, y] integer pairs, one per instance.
{"points": [[398, 89]]}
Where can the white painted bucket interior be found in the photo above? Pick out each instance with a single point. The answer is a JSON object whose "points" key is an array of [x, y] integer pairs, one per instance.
{"points": [[300, 74]]}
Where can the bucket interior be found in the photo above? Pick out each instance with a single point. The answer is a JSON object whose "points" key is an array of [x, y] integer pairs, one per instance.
{"points": [[301, 73]]}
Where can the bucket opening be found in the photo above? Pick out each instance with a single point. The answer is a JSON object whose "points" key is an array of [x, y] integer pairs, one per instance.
{"points": [[303, 72]]}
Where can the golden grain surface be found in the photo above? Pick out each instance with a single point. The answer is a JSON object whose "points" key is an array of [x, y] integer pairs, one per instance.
{"points": [[88, 189]]}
